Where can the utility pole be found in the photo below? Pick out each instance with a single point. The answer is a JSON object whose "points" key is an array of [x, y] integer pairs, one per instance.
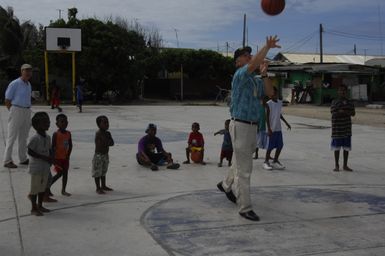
{"points": [[227, 49], [59, 10], [321, 30], [181, 67], [244, 30], [355, 49]]}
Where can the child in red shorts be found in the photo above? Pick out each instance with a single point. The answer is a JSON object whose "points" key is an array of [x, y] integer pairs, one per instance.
{"points": [[61, 147], [195, 143]]}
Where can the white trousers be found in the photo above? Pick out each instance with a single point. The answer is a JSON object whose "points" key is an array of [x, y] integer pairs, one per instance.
{"points": [[19, 123], [238, 178]]}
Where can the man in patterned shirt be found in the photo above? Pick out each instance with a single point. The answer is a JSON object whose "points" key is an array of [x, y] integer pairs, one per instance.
{"points": [[246, 93]]}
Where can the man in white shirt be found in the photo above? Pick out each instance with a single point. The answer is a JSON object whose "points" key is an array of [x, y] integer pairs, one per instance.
{"points": [[18, 102]]}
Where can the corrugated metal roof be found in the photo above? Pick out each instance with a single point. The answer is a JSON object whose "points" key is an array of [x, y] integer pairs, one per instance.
{"points": [[302, 58]]}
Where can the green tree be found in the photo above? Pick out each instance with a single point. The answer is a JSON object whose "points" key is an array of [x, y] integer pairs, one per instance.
{"points": [[11, 36], [108, 60]]}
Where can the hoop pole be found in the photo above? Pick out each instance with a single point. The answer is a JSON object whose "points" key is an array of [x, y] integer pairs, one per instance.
{"points": [[46, 75], [73, 77]]}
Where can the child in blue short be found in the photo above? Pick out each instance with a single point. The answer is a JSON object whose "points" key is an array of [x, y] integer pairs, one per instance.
{"points": [[227, 146], [342, 109], [274, 131]]}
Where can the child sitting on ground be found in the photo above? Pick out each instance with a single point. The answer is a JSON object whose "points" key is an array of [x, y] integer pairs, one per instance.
{"points": [[195, 145], [227, 146], [39, 150], [151, 152], [61, 148], [103, 142]]}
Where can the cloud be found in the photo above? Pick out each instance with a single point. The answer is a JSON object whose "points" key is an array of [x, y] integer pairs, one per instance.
{"points": [[317, 6], [195, 20]]}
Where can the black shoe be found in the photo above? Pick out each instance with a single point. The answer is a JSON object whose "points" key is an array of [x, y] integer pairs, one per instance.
{"points": [[26, 162], [230, 195], [154, 168], [250, 215], [10, 165]]}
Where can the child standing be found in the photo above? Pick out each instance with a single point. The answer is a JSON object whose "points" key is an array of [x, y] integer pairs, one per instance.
{"points": [[261, 135], [195, 142], [39, 150], [275, 140], [227, 146], [79, 96], [342, 110], [55, 97], [61, 149], [103, 141]]}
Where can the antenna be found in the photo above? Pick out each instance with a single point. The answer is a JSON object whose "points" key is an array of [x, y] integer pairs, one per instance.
{"points": [[176, 35], [244, 31], [59, 10], [380, 29]]}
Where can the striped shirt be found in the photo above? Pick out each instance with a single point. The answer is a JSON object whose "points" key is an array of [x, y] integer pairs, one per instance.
{"points": [[341, 121]]}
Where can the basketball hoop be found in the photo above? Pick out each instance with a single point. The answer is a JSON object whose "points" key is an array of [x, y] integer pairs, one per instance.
{"points": [[62, 48]]}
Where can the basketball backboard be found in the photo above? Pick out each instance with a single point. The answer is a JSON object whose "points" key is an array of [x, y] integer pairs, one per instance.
{"points": [[59, 39]]}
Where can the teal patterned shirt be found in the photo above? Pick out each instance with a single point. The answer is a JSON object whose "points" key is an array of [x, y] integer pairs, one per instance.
{"points": [[246, 93]]}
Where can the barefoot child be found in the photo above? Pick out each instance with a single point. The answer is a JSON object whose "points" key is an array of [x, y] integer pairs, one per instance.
{"points": [[62, 148], [39, 150], [195, 143], [103, 141], [342, 110], [227, 146]]}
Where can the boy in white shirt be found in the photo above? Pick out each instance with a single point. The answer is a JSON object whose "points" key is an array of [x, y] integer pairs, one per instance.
{"points": [[274, 131]]}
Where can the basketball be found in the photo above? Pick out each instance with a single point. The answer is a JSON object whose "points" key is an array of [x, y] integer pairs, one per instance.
{"points": [[273, 7]]}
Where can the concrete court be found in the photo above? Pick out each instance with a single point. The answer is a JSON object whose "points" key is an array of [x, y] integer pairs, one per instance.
{"points": [[305, 210]]}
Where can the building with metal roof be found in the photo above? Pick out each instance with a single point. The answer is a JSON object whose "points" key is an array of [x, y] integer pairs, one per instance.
{"points": [[302, 58]]}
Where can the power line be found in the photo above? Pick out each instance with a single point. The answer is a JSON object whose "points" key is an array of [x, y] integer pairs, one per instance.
{"points": [[354, 36], [301, 42]]}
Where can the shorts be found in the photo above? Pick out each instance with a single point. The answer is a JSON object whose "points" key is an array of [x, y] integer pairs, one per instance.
{"points": [[38, 183], [155, 158], [338, 143], [61, 165], [227, 154], [275, 141], [100, 165], [262, 140]]}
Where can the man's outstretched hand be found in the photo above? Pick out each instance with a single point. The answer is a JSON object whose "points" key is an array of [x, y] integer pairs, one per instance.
{"points": [[271, 42]]}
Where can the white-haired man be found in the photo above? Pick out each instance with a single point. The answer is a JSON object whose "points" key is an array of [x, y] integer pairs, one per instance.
{"points": [[18, 102]]}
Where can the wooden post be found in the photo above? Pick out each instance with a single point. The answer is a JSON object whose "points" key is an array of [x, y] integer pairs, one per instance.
{"points": [[73, 77], [46, 76]]}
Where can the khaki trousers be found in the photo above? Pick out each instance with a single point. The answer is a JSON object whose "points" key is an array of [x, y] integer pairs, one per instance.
{"points": [[19, 123], [243, 137]]}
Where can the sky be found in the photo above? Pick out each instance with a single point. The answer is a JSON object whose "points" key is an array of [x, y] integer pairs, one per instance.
{"points": [[209, 24]]}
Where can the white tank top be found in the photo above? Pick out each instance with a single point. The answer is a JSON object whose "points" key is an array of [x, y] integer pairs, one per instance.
{"points": [[275, 115]]}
